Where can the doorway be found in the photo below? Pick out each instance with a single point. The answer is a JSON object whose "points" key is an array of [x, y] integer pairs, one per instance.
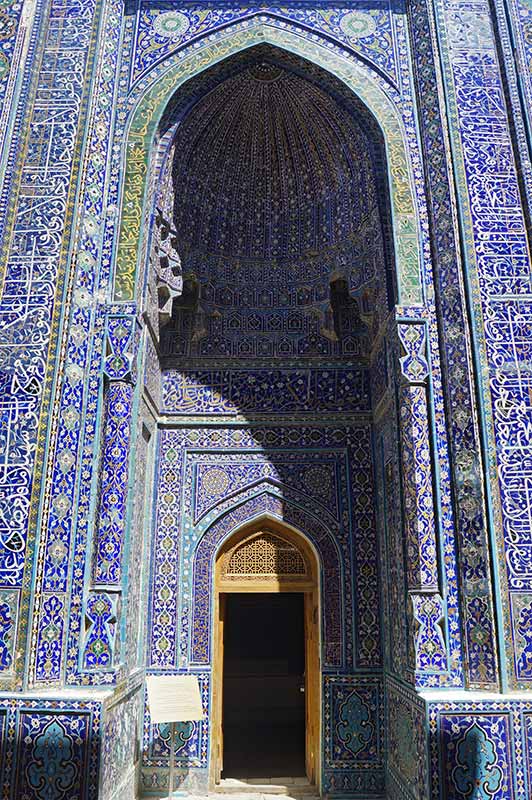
{"points": [[266, 718], [264, 686]]}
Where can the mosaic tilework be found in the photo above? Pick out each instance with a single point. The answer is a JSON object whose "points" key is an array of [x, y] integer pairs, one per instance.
{"points": [[101, 612], [19, 45], [458, 389], [69, 502], [281, 266], [35, 267], [422, 565], [12, 34], [156, 98], [229, 391], [481, 747], [522, 30], [107, 568], [218, 478], [294, 475], [369, 32], [137, 556], [50, 748], [334, 622], [407, 775], [503, 269], [152, 373], [206, 489], [394, 594], [191, 747], [513, 40], [427, 650], [354, 717], [247, 220], [353, 731], [121, 736], [9, 602], [87, 334]]}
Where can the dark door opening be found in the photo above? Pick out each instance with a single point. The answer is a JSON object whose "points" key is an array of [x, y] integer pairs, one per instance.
{"points": [[263, 686]]}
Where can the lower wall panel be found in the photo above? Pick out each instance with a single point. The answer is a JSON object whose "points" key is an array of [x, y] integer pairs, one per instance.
{"points": [[50, 748], [458, 745], [436, 746]]}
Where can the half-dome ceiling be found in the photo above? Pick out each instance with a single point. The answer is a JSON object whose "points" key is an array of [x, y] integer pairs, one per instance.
{"points": [[269, 166]]}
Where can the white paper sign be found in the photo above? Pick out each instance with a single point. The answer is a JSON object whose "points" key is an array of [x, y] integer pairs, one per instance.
{"points": [[174, 698]]}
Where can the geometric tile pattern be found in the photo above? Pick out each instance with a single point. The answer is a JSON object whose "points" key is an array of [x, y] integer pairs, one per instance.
{"points": [[459, 389], [64, 162], [297, 479], [502, 281]]}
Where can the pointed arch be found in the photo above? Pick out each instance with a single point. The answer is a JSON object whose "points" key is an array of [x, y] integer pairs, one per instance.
{"points": [[305, 525], [281, 538], [154, 95]]}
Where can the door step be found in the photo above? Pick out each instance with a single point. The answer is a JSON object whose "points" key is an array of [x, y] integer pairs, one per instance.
{"points": [[289, 794], [279, 786]]}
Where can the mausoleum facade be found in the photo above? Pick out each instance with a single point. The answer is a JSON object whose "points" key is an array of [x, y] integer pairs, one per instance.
{"points": [[265, 328]]}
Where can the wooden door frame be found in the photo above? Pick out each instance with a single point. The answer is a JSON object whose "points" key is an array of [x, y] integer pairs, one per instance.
{"points": [[312, 615]]}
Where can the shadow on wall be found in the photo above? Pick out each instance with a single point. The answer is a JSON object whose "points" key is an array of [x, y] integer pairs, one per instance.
{"points": [[266, 382]]}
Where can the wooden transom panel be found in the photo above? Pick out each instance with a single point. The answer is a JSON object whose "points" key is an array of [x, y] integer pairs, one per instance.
{"points": [[264, 556]]}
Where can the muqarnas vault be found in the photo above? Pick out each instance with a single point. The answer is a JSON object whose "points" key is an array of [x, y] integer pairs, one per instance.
{"points": [[266, 324]]}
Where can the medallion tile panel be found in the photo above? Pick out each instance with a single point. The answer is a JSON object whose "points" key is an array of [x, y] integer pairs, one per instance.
{"points": [[50, 748], [371, 32], [481, 747], [121, 737], [354, 721], [407, 767], [314, 476]]}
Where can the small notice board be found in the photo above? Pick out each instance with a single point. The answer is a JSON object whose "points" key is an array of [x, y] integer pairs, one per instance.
{"points": [[173, 698]]}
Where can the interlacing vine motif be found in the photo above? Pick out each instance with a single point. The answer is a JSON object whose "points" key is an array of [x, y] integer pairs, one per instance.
{"points": [[54, 767], [477, 776]]}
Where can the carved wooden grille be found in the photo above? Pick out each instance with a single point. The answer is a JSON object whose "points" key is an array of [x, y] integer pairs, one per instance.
{"points": [[267, 556]]}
